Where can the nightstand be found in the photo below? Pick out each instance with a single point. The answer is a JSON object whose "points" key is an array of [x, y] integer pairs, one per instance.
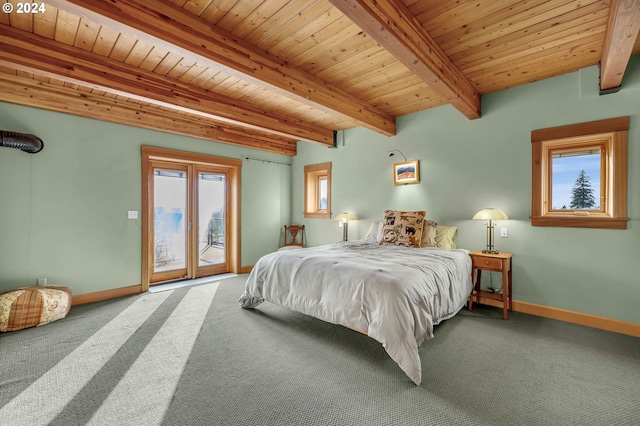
{"points": [[499, 262]]}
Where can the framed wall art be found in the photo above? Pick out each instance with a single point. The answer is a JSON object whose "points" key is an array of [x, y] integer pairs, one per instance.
{"points": [[406, 172]]}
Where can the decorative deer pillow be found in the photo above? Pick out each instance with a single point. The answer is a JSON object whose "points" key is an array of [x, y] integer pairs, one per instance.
{"points": [[402, 228]]}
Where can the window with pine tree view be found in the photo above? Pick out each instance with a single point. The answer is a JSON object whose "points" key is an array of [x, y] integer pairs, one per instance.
{"points": [[575, 180], [579, 175]]}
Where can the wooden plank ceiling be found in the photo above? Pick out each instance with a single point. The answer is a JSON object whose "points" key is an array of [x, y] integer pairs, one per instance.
{"points": [[269, 73]]}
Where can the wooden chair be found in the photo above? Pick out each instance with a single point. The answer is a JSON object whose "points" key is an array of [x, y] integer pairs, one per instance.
{"points": [[291, 235]]}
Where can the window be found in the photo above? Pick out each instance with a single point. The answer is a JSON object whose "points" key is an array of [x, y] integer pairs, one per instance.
{"points": [[317, 191], [579, 175], [322, 192], [576, 176]]}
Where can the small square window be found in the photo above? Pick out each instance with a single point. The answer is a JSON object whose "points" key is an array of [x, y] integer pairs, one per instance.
{"points": [[579, 175]]}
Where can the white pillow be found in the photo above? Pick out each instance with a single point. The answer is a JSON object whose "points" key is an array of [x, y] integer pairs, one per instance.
{"points": [[374, 234]]}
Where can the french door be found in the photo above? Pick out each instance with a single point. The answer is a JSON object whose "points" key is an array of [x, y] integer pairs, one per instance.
{"points": [[189, 220]]}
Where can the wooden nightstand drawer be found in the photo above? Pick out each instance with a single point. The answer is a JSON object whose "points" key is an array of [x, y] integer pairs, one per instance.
{"points": [[487, 262]]}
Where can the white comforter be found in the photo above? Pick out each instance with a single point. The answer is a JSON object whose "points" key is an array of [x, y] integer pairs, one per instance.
{"points": [[395, 294]]}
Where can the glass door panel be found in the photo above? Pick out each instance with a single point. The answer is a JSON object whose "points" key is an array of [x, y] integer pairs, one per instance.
{"points": [[187, 220], [212, 223], [169, 224]]}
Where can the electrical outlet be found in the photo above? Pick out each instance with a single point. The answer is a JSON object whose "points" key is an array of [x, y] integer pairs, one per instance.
{"points": [[132, 214], [504, 233], [42, 281]]}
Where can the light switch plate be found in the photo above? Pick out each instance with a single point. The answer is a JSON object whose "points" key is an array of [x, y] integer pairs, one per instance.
{"points": [[504, 233]]}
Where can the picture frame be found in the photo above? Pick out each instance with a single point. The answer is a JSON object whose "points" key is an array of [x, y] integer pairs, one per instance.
{"points": [[406, 172]]}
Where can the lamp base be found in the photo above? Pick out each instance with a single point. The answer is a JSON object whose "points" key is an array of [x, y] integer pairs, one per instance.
{"points": [[490, 251]]}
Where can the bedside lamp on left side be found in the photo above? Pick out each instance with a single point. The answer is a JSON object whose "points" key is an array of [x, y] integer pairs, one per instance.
{"points": [[345, 218]]}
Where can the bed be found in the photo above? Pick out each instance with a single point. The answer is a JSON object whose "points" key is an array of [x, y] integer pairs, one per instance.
{"points": [[394, 294]]}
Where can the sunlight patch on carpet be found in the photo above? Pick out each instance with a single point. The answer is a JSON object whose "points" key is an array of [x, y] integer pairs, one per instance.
{"points": [[144, 393], [45, 398]]}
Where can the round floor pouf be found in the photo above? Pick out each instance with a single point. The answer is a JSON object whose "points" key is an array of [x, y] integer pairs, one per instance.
{"points": [[32, 306]]}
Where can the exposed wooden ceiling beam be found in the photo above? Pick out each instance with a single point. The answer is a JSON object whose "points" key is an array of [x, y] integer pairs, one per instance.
{"points": [[393, 26], [622, 31], [166, 25], [32, 53], [40, 94]]}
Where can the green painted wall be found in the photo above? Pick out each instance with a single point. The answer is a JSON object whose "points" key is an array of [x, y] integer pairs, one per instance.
{"points": [[469, 165], [63, 211]]}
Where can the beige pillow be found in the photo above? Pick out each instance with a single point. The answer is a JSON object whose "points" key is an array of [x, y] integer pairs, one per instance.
{"points": [[447, 236], [400, 228], [429, 233]]}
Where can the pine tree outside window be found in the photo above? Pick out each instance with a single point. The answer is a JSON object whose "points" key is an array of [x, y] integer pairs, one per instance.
{"points": [[582, 193]]}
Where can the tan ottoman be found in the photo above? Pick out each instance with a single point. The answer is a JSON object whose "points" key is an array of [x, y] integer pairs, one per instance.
{"points": [[32, 306]]}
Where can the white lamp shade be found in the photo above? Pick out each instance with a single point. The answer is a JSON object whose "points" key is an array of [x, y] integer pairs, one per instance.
{"points": [[345, 217], [490, 214]]}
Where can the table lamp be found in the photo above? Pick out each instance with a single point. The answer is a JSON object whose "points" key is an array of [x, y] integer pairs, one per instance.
{"points": [[345, 218], [490, 215]]}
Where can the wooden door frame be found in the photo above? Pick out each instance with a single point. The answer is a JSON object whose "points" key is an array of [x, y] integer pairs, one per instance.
{"points": [[232, 167]]}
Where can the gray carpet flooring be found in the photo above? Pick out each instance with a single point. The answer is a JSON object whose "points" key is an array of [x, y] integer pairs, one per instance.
{"points": [[191, 356]]}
